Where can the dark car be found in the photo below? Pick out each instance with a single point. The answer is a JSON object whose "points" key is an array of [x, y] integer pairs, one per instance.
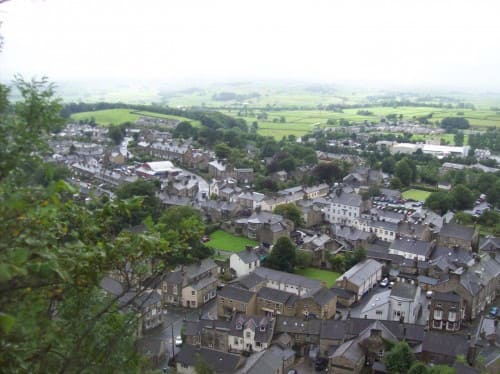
{"points": [[320, 364]]}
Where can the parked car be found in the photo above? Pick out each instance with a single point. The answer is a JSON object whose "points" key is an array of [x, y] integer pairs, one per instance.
{"points": [[292, 371], [178, 341], [320, 364], [384, 282], [494, 311], [428, 294]]}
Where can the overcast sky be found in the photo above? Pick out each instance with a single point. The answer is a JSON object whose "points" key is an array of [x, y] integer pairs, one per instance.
{"points": [[425, 42]]}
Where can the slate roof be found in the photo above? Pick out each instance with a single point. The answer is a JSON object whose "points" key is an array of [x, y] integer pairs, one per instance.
{"points": [[202, 283], [489, 244], [297, 325], [271, 361], [292, 279], [412, 246], [340, 292], [274, 295], [247, 256], [323, 296], [457, 231], [446, 296], [112, 286], [249, 281], [347, 199], [361, 271], [404, 291], [235, 293], [444, 344], [223, 363]]}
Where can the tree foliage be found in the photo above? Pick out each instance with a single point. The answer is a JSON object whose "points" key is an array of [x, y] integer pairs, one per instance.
{"points": [[400, 358], [282, 256], [54, 252], [291, 212]]}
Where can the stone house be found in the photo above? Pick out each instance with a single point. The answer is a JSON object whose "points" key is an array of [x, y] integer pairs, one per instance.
{"points": [[217, 168], [264, 227], [446, 311], [412, 248], [361, 277], [190, 286], [478, 285], [231, 300], [272, 302], [452, 235], [322, 304]]}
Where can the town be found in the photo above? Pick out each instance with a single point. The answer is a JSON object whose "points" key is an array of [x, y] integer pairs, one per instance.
{"points": [[373, 261]]}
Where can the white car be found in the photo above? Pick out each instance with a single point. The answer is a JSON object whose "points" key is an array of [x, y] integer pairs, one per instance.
{"points": [[178, 341], [384, 282]]}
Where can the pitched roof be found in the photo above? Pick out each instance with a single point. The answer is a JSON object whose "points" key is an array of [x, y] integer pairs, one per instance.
{"points": [[247, 256], [236, 293], [350, 199], [446, 296], [412, 246], [404, 291], [293, 279], [219, 361], [444, 344], [271, 361], [361, 271], [297, 325], [249, 281], [274, 295], [457, 231]]}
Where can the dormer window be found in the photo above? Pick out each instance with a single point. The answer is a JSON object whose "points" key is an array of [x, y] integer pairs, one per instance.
{"points": [[262, 328], [239, 326]]}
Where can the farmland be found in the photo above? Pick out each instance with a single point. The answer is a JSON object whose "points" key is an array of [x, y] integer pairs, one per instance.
{"points": [[117, 116], [300, 122]]}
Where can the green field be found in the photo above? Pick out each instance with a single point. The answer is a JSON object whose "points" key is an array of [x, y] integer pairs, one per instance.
{"points": [[418, 195], [117, 116], [329, 277], [300, 122], [228, 242]]}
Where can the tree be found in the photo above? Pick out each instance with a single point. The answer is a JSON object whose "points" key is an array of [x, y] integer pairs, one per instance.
{"points": [[463, 197], [338, 263], [439, 201], [184, 130], [222, 150], [54, 316], [396, 183], [327, 172], [404, 170], [202, 367], [388, 164], [400, 358], [418, 368], [303, 259], [282, 256], [454, 123], [116, 133], [458, 138], [291, 212]]}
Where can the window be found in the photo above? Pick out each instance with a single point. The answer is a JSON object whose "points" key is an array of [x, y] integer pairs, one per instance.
{"points": [[193, 293], [378, 312], [238, 326], [250, 265], [248, 335], [235, 340]]}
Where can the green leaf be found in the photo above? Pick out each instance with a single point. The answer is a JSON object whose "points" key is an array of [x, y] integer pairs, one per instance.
{"points": [[5, 272], [6, 322], [19, 256]]}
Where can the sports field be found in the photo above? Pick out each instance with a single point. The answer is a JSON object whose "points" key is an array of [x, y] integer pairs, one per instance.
{"points": [[418, 195]]}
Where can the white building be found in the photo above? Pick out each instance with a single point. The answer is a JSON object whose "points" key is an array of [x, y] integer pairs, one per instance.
{"points": [[243, 263], [344, 208], [404, 302], [293, 283], [431, 149]]}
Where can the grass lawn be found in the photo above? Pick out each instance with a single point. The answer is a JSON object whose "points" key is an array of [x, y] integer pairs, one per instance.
{"points": [[327, 276], [418, 195], [228, 242]]}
